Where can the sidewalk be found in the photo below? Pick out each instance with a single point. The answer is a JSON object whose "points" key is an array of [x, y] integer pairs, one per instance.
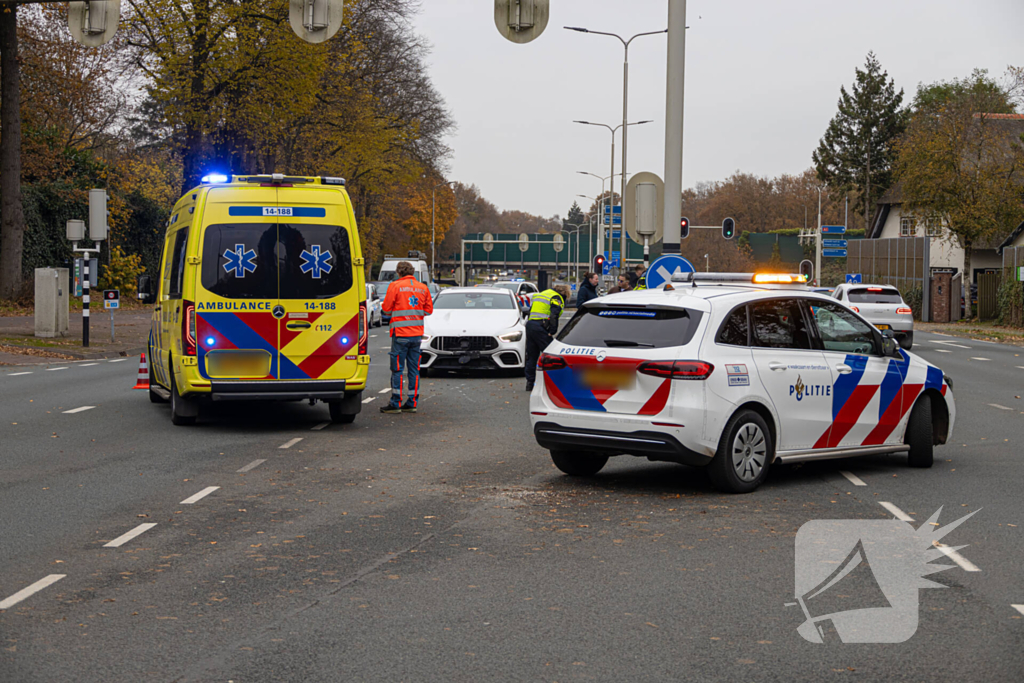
{"points": [[19, 345]]}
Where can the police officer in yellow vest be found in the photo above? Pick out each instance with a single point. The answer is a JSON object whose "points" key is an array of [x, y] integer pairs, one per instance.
{"points": [[545, 310]]}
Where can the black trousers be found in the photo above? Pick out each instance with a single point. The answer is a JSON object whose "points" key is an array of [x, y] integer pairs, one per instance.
{"points": [[537, 339]]}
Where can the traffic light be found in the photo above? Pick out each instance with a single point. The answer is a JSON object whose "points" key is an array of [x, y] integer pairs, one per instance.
{"points": [[599, 264], [728, 228], [807, 269], [684, 228]]}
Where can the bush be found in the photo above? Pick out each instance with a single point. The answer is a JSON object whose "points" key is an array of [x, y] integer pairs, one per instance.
{"points": [[121, 272], [1010, 299], [913, 298]]}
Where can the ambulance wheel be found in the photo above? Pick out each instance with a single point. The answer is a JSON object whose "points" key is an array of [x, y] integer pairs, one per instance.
{"points": [[919, 434], [183, 411], [153, 396], [744, 454], [337, 416], [577, 464]]}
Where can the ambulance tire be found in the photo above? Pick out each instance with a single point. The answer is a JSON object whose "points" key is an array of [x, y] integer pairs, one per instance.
{"points": [[344, 411], [153, 396], [183, 411], [578, 464], [722, 471], [919, 434]]}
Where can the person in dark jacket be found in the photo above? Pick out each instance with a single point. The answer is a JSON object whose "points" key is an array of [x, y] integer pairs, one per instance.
{"points": [[587, 291], [622, 286]]}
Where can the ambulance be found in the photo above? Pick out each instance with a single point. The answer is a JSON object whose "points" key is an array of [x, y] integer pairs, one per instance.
{"points": [[261, 296]]}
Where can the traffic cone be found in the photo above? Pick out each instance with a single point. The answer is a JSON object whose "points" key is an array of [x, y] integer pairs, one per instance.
{"points": [[143, 381]]}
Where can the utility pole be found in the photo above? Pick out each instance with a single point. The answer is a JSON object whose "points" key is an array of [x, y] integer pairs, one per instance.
{"points": [[817, 243], [676, 72]]}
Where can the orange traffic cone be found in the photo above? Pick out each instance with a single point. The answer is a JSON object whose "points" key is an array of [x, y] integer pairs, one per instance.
{"points": [[143, 381]]}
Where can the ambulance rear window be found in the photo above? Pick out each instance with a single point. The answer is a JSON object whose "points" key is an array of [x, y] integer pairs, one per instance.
{"points": [[648, 328], [316, 261]]}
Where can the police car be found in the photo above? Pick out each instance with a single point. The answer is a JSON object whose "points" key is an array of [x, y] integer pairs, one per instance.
{"points": [[733, 372]]}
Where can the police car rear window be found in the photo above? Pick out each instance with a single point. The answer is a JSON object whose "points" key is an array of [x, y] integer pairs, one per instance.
{"points": [[270, 261], [874, 295], [648, 328]]}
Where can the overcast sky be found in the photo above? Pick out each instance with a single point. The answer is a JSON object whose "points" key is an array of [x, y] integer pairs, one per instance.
{"points": [[762, 82]]}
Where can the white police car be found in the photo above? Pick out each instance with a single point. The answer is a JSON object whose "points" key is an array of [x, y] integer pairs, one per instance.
{"points": [[734, 372]]}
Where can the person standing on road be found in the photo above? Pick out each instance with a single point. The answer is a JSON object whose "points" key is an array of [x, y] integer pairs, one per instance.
{"points": [[545, 310], [588, 290], [621, 286], [408, 301]]}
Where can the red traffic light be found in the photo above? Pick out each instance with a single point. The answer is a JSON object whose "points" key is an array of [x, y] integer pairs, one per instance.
{"points": [[684, 228], [598, 263]]}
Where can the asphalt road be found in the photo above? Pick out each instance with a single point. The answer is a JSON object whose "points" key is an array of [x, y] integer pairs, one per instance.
{"points": [[444, 545]]}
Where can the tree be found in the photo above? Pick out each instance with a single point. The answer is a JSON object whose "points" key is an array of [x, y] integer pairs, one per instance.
{"points": [[575, 216], [964, 163], [12, 215], [858, 149]]}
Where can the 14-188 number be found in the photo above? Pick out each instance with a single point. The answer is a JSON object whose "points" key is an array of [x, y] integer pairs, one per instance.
{"points": [[320, 306]]}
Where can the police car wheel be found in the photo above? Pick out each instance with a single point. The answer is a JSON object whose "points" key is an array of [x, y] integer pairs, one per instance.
{"points": [[744, 454], [182, 412], [919, 434], [577, 464]]}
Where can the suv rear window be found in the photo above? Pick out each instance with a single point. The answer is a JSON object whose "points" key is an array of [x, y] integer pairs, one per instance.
{"points": [[649, 328], [874, 295]]}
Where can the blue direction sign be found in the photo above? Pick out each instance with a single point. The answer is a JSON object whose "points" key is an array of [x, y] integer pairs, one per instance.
{"points": [[615, 212], [610, 261], [833, 229], [833, 253], [834, 244], [662, 270], [854, 278]]}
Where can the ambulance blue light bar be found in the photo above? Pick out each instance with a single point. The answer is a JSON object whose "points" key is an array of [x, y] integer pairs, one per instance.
{"points": [[326, 180], [214, 178]]}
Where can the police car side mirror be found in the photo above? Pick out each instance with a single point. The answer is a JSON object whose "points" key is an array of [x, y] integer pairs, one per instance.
{"points": [[144, 287], [890, 347]]}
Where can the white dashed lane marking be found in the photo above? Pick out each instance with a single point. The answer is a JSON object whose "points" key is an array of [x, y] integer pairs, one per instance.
{"points": [[897, 513], [367, 400], [959, 346], [1019, 608], [940, 350], [124, 538], [199, 496], [118, 360], [320, 426], [385, 391], [289, 444], [15, 374], [854, 479], [86, 365], [251, 466], [964, 563], [976, 358], [55, 369], [39, 585], [996, 405], [78, 410]]}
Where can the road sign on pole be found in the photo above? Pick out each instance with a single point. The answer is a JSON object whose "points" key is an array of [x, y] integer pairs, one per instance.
{"points": [[521, 21], [558, 243], [488, 242], [833, 253], [315, 21], [662, 270], [833, 244], [637, 180], [833, 229], [524, 242], [94, 23], [854, 278]]}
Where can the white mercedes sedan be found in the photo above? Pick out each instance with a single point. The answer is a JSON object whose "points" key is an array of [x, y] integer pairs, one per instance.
{"points": [[474, 328]]}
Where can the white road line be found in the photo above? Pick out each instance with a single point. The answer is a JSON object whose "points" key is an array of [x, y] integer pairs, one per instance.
{"points": [[367, 400], [251, 466], [320, 426], [1019, 367], [55, 369], [899, 514], [118, 360], [1019, 608], [977, 358], [124, 538], [959, 346], [289, 444], [373, 336], [86, 365], [15, 374], [942, 334], [78, 410], [39, 585], [964, 563], [996, 405], [199, 496], [857, 481], [939, 350], [385, 391]]}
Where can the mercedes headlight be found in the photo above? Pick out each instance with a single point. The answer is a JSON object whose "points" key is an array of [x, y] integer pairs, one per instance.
{"points": [[512, 336]]}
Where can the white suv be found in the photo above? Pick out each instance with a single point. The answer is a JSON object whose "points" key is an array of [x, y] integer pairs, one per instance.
{"points": [[883, 307], [724, 371]]}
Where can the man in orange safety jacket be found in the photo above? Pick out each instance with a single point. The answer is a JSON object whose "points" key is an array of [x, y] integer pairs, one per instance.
{"points": [[408, 301]]}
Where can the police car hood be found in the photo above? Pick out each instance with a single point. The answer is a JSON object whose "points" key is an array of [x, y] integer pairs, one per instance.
{"points": [[470, 322]]}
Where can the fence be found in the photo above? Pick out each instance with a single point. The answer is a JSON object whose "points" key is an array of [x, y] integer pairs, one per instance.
{"points": [[988, 295], [1011, 290], [903, 262]]}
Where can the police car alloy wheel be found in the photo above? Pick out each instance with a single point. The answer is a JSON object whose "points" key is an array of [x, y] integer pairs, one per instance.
{"points": [[919, 434], [744, 454], [578, 464]]}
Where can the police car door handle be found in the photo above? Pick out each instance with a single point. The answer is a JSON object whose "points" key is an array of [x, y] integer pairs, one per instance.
{"points": [[844, 369], [776, 366]]}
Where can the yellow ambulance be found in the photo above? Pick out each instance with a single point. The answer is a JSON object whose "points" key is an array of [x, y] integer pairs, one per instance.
{"points": [[261, 296]]}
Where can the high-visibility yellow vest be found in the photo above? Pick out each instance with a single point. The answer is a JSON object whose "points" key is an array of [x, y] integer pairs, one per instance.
{"points": [[540, 307], [641, 283]]}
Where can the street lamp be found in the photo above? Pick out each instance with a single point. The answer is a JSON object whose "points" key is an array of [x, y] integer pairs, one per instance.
{"points": [[622, 195], [433, 205], [817, 241], [603, 199], [625, 101]]}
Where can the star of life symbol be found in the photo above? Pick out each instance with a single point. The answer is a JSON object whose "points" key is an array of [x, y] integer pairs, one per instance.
{"points": [[858, 580], [316, 261], [240, 260]]}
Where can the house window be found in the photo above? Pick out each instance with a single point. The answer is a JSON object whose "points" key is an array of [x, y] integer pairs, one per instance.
{"points": [[934, 226], [908, 226]]}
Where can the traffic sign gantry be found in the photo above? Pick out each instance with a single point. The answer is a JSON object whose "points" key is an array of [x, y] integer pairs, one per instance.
{"points": [[662, 270]]}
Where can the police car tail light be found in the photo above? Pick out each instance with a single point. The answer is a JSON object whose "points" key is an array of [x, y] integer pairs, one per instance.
{"points": [[188, 329], [363, 327], [904, 310], [677, 369], [549, 362]]}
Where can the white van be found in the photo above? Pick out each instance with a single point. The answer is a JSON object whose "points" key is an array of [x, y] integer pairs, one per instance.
{"points": [[418, 260]]}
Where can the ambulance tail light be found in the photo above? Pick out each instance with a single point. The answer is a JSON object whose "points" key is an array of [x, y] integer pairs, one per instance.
{"points": [[188, 329], [677, 369], [548, 362], [903, 310], [363, 330]]}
